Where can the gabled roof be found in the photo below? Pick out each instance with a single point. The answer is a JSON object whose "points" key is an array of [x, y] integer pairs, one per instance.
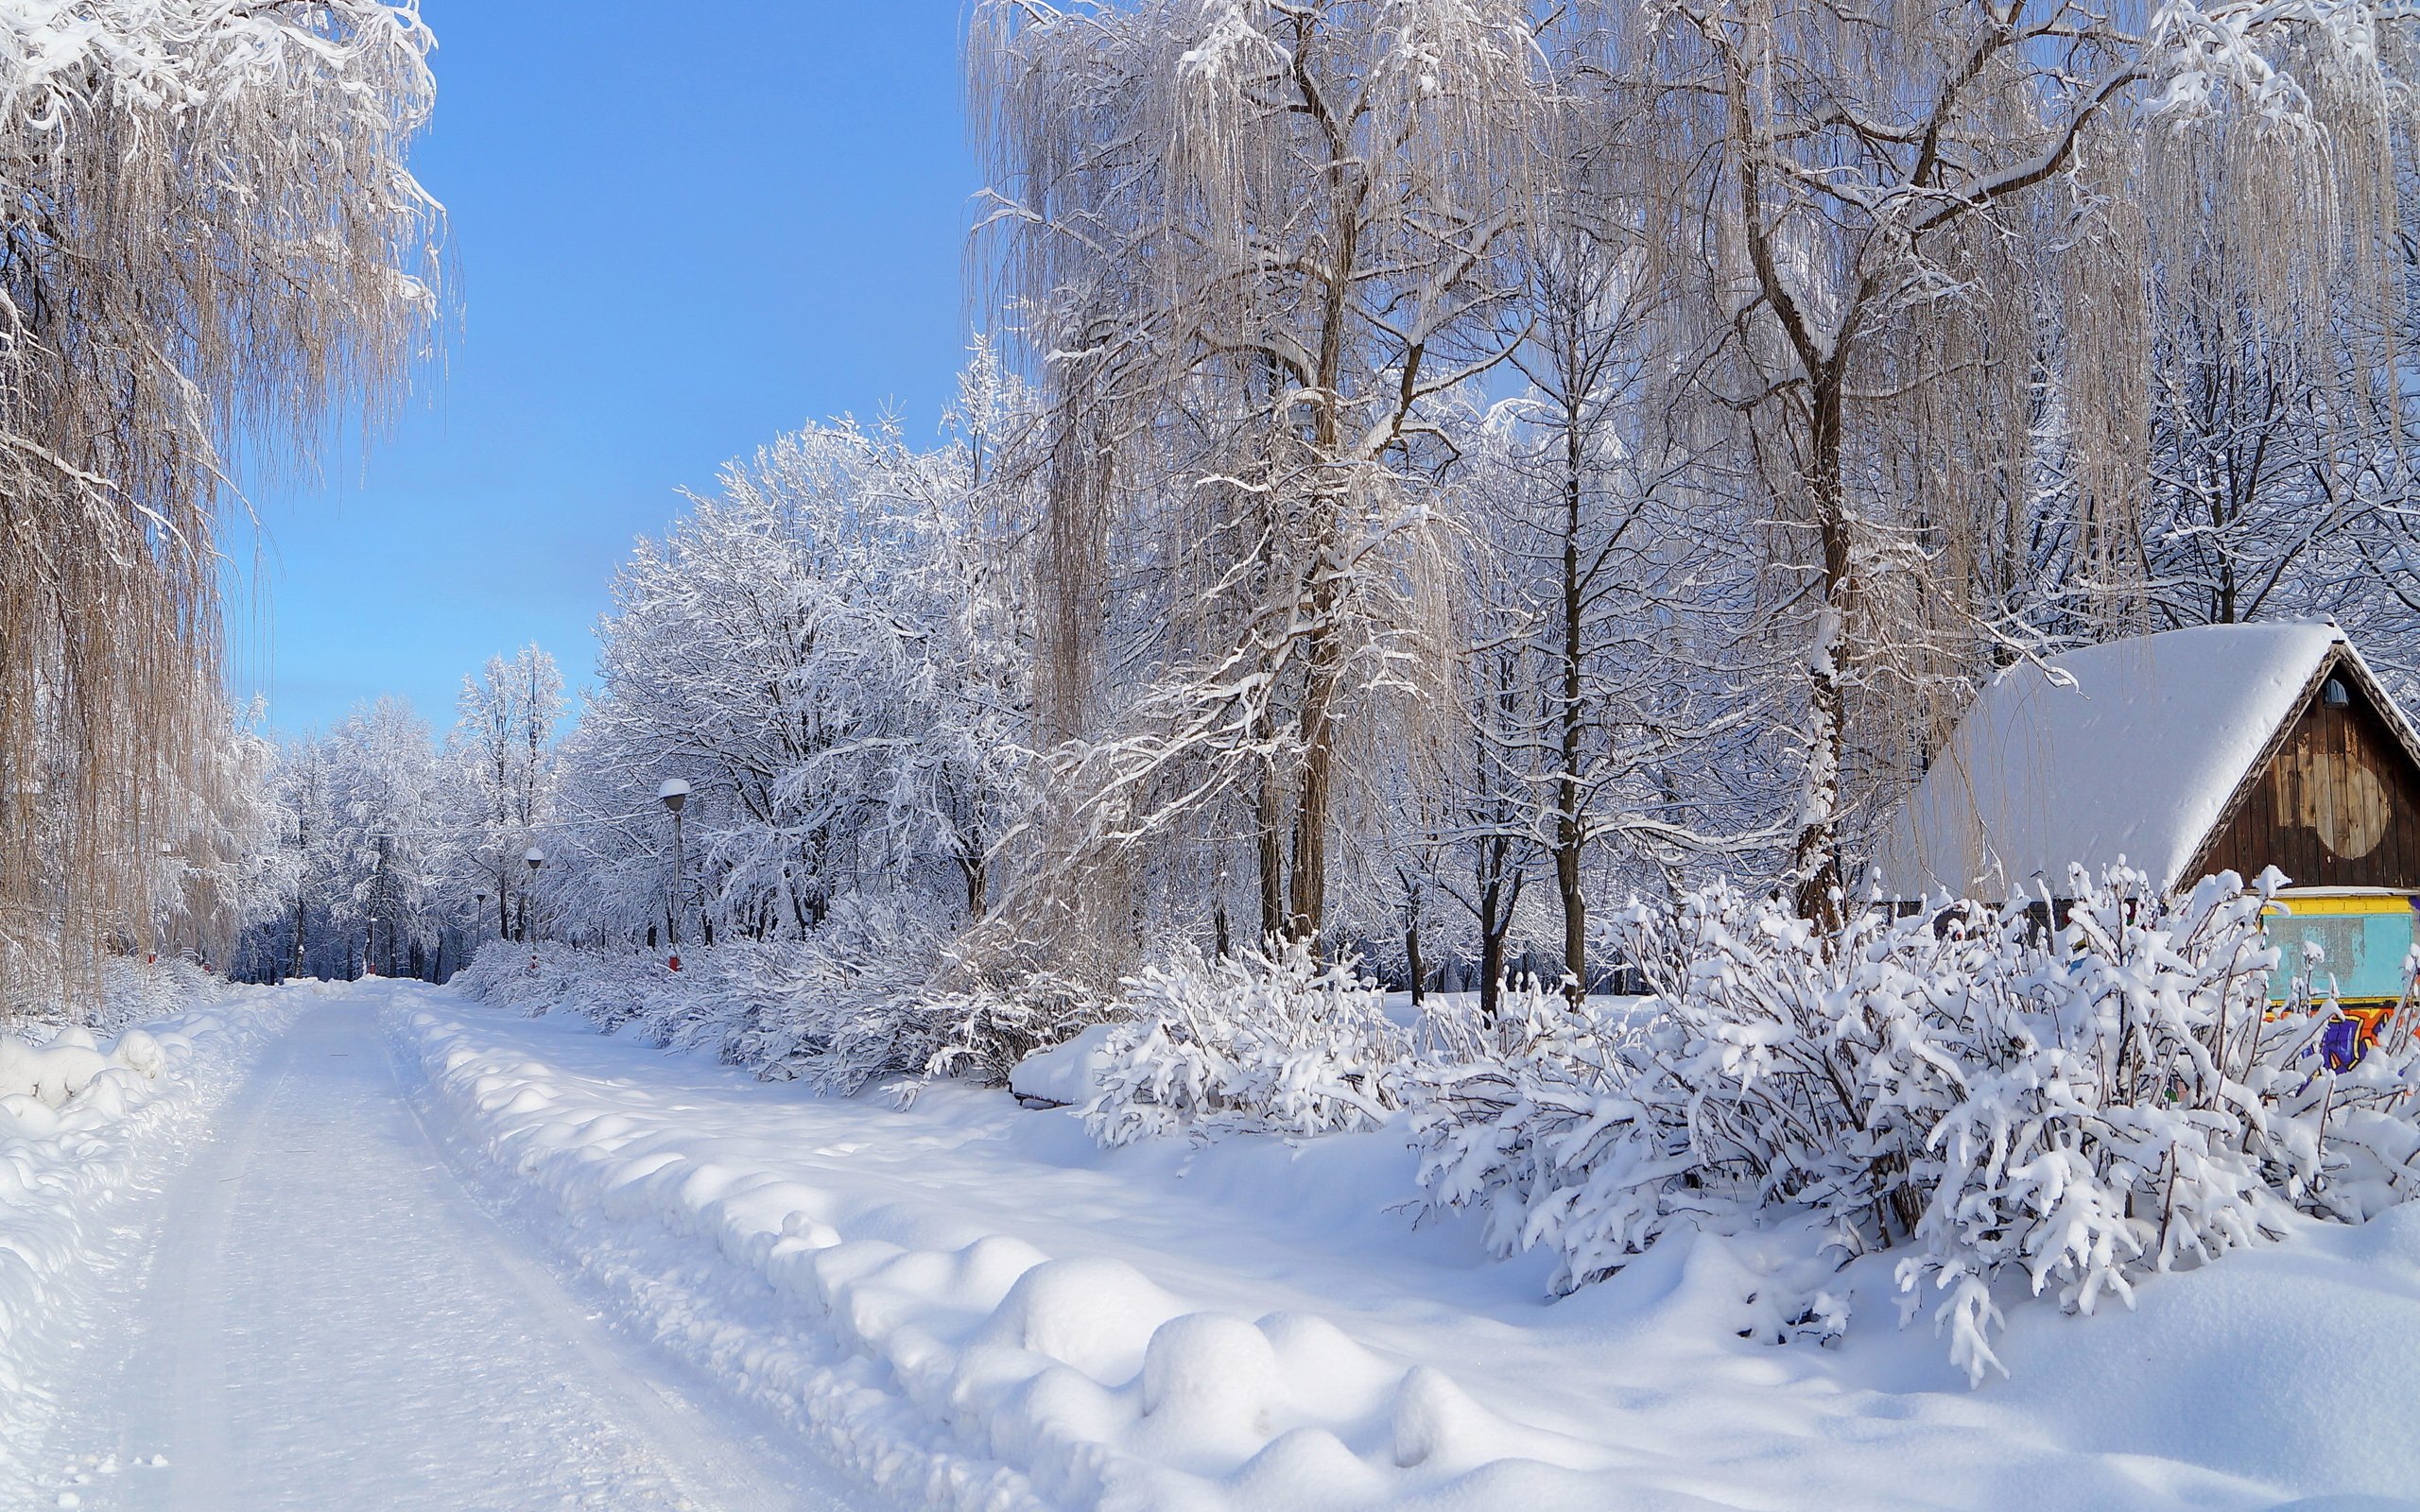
{"points": [[2137, 748]]}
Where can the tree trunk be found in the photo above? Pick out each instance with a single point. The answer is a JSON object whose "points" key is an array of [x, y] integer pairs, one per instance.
{"points": [[1272, 856], [1494, 923], [974, 867], [1307, 904], [1570, 835], [1308, 913], [1307, 916], [1816, 862]]}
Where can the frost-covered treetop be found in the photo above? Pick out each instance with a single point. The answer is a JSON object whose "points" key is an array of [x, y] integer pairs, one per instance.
{"points": [[60, 57]]}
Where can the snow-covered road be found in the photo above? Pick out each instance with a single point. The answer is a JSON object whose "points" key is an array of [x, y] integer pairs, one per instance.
{"points": [[334, 1323]]}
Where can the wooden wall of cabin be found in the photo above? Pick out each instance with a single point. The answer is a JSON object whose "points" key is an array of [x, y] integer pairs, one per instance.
{"points": [[2339, 807]]}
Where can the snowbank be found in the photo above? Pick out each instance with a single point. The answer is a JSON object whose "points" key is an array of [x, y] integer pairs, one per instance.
{"points": [[88, 1128], [1067, 1074], [970, 1369], [975, 1306]]}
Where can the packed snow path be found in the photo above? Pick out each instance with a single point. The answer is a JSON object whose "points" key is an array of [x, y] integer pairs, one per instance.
{"points": [[333, 1323]]}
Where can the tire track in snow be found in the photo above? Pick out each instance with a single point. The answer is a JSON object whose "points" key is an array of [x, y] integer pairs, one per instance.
{"points": [[191, 1412]]}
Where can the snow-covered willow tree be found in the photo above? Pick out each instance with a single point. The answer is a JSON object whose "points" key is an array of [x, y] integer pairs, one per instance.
{"points": [[2283, 463], [829, 651], [1916, 245], [223, 868], [1255, 241], [209, 244]]}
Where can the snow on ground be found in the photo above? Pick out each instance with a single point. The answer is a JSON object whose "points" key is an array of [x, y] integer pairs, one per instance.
{"points": [[336, 1323], [478, 1260], [971, 1306], [91, 1133]]}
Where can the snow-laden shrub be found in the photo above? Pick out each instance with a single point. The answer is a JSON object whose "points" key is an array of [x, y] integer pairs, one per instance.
{"points": [[132, 991], [2074, 1111], [609, 988], [138, 991], [840, 1010], [1530, 1120], [983, 1028], [1279, 1043], [846, 1006], [612, 989]]}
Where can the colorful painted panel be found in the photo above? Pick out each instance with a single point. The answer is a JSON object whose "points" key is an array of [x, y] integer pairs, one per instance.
{"points": [[2364, 939]]}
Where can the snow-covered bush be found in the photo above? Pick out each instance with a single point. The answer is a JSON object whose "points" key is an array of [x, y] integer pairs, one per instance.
{"points": [[609, 988], [848, 1005], [1531, 1121], [132, 990], [844, 1007], [136, 992], [983, 1026], [1278, 1043], [71, 1062], [2076, 1109]]}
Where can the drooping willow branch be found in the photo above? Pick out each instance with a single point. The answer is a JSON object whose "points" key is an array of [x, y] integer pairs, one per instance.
{"points": [[210, 247]]}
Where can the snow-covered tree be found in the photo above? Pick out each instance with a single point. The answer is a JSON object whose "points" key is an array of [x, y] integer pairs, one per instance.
{"points": [[500, 761], [209, 244], [830, 651], [1906, 261], [387, 840], [1255, 242], [225, 869]]}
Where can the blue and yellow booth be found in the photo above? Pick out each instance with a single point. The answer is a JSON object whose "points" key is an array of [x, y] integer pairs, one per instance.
{"points": [[2364, 936]]}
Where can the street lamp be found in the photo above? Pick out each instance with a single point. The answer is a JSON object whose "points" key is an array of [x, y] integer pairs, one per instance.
{"points": [[674, 795], [536, 858]]}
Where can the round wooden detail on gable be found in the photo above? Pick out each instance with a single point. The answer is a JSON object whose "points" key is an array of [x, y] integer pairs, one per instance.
{"points": [[2339, 797]]}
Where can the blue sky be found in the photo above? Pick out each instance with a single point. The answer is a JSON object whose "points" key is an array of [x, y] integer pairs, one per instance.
{"points": [[677, 238]]}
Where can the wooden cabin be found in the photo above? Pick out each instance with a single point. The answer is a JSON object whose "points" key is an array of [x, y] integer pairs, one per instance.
{"points": [[2335, 799], [2229, 748]]}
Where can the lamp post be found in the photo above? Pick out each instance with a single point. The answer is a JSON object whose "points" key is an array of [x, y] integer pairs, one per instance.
{"points": [[536, 858], [674, 796]]}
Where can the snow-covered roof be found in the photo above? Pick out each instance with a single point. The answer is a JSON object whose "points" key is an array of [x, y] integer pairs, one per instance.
{"points": [[2136, 756]]}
